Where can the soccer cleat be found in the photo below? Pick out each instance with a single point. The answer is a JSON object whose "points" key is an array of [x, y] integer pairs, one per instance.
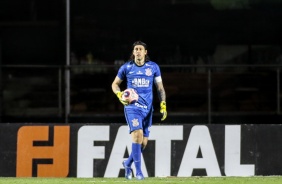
{"points": [[140, 176], [128, 171]]}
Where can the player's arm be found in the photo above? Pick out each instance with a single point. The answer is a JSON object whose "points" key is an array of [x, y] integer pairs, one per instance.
{"points": [[162, 97], [116, 89], [116, 85], [161, 91]]}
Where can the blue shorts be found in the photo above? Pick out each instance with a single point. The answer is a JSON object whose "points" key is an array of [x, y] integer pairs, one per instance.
{"points": [[137, 119]]}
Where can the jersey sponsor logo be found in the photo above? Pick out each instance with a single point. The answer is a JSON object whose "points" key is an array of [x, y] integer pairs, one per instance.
{"points": [[140, 82], [148, 71], [135, 122], [142, 106]]}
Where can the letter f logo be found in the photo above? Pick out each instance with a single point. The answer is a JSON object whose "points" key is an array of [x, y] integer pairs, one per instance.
{"points": [[43, 151]]}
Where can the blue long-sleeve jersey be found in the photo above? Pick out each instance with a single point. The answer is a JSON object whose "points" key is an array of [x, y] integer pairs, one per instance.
{"points": [[140, 78]]}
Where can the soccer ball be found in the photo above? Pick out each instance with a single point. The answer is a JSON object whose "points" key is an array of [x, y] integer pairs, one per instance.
{"points": [[130, 95]]}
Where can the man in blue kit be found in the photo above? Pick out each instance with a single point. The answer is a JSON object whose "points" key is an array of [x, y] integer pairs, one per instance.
{"points": [[140, 73]]}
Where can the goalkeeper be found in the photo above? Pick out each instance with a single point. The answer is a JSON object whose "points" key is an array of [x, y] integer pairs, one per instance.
{"points": [[141, 74]]}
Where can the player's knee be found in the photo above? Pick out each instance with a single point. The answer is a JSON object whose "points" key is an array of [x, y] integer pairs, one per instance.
{"points": [[137, 136]]}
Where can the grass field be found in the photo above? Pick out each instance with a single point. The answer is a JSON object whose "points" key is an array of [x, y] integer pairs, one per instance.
{"points": [[169, 180]]}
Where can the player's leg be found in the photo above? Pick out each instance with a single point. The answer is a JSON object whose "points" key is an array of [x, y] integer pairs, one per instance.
{"points": [[137, 139], [129, 161], [134, 121], [147, 122]]}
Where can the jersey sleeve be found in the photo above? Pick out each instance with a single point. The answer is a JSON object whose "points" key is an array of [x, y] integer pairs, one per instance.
{"points": [[122, 72], [157, 71]]}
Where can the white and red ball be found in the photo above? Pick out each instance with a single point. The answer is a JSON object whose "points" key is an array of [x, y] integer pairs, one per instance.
{"points": [[130, 95]]}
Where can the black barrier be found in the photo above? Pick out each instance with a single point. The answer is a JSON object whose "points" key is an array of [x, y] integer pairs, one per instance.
{"points": [[214, 94], [91, 150]]}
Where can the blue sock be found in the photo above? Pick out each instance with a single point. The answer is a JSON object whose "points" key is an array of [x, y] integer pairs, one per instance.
{"points": [[136, 154], [129, 160]]}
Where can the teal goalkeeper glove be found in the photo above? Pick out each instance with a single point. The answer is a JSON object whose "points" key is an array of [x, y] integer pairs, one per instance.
{"points": [[163, 110], [119, 95]]}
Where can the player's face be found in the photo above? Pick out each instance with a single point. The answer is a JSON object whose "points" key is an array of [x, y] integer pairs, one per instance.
{"points": [[139, 52]]}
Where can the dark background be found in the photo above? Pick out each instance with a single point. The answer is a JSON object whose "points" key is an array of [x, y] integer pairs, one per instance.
{"points": [[33, 31], [182, 35]]}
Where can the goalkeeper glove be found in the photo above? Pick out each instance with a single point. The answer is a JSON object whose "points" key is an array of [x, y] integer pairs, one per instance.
{"points": [[119, 95], [163, 110]]}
